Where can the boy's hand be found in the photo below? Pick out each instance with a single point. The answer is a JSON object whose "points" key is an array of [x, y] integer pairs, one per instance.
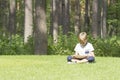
{"points": [[79, 56], [91, 54]]}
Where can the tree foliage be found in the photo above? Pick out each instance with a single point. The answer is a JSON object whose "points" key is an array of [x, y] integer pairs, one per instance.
{"points": [[113, 19]]}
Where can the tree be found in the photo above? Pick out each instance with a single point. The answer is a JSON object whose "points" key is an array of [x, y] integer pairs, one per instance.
{"points": [[77, 17], [55, 20], [95, 18], [104, 15], [65, 16], [4, 20], [28, 20], [12, 16], [40, 28], [87, 15]]}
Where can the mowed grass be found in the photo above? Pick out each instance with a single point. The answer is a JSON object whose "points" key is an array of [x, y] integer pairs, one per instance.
{"points": [[54, 67]]}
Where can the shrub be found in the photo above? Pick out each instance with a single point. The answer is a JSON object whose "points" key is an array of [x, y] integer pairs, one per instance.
{"points": [[64, 46], [14, 45], [107, 47], [103, 47]]}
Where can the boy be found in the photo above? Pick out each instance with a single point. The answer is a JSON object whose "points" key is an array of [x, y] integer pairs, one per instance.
{"points": [[84, 51]]}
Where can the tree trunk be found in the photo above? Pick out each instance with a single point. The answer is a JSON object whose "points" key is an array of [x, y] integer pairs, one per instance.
{"points": [[40, 28], [86, 15], [77, 17], [99, 17], [4, 20], [55, 20], [51, 19], [28, 20], [12, 15], [60, 12], [104, 11], [95, 18], [66, 17]]}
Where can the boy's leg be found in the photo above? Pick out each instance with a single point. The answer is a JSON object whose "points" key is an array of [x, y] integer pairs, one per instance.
{"points": [[69, 58], [91, 59], [82, 61], [79, 59], [79, 56], [75, 60]]}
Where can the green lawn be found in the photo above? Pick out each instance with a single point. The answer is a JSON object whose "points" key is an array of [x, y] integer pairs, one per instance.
{"points": [[56, 68]]}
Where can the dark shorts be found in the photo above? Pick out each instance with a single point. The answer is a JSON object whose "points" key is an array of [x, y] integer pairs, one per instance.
{"points": [[69, 58], [91, 59]]}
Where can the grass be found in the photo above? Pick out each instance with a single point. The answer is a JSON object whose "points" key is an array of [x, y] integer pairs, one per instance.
{"points": [[56, 68]]}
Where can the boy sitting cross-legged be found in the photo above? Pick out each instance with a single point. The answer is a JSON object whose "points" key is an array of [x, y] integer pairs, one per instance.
{"points": [[84, 51]]}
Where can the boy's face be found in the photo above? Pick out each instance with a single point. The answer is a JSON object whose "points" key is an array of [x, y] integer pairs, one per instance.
{"points": [[82, 39], [83, 42]]}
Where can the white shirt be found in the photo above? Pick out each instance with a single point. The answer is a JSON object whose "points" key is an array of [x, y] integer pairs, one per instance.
{"points": [[83, 50]]}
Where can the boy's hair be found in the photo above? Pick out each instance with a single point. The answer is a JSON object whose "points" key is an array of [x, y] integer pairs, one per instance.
{"points": [[82, 37]]}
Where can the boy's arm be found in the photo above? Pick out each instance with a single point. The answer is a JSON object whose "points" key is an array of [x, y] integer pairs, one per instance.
{"points": [[77, 55], [92, 53]]}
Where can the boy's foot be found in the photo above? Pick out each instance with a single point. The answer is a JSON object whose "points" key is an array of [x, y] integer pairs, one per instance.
{"points": [[69, 62], [72, 62]]}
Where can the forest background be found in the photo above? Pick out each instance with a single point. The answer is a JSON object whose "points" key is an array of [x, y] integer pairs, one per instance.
{"points": [[51, 27]]}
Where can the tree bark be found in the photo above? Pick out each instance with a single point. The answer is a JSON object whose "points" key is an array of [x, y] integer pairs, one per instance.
{"points": [[87, 15], [66, 16], [95, 18], [4, 16], [40, 28], [12, 16], [77, 17], [28, 20], [104, 10], [55, 21]]}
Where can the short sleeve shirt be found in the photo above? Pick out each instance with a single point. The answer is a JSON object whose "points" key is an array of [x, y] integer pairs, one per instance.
{"points": [[82, 50]]}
